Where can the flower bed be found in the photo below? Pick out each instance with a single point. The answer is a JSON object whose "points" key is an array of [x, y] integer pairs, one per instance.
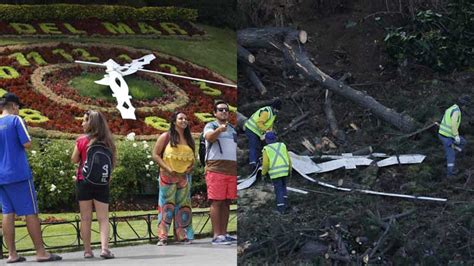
{"points": [[39, 75], [96, 27], [53, 81]]}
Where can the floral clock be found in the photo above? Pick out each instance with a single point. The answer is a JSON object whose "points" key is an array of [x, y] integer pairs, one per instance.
{"points": [[42, 76]]}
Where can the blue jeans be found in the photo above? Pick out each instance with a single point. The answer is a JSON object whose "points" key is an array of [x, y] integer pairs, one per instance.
{"points": [[450, 152], [255, 146], [279, 185]]}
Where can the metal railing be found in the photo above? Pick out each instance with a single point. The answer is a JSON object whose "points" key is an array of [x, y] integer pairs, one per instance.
{"points": [[134, 223]]}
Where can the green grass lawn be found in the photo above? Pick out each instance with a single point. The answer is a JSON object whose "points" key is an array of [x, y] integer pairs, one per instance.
{"points": [[140, 89], [65, 234], [219, 53]]}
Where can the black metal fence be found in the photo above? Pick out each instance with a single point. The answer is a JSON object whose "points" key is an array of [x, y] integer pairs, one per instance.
{"points": [[119, 224]]}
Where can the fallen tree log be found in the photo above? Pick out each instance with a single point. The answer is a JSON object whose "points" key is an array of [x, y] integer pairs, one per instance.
{"points": [[268, 37], [252, 76], [331, 117], [254, 106], [293, 125], [241, 119], [290, 43], [244, 55]]}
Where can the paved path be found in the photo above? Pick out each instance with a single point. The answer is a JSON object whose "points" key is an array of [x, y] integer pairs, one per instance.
{"points": [[201, 252]]}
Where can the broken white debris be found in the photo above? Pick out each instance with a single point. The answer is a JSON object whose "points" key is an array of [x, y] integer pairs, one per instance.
{"points": [[304, 163], [307, 166], [319, 182], [400, 195], [366, 191], [402, 159], [247, 182], [297, 190], [349, 161]]}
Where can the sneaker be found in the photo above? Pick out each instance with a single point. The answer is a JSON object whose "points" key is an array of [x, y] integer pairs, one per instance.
{"points": [[221, 240], [230, 238], [162, 242]]}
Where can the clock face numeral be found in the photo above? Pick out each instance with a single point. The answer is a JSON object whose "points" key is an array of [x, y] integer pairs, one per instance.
{"points": [[32, 116]]}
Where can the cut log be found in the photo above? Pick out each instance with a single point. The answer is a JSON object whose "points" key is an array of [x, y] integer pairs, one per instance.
{"points": [[296, 120], [290, 43], [313, 249], [268, 37], [337, 257], [252, 76], [241, 119], [295, 123], [331, 117], [244, 55], [254, 106]]}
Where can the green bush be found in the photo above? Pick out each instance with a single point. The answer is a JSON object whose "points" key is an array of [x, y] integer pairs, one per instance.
{"points": [[53, 173], [135, 174], [212, 12], [27, 13], [441, 41]]}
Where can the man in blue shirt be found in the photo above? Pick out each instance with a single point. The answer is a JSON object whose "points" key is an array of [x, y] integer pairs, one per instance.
{"points": [[17, 191]]}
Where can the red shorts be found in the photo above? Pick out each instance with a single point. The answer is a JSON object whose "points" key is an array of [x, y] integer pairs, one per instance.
{"points": [[221, 186]]}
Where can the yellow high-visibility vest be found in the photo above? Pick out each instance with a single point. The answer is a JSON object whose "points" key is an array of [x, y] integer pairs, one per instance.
{"points": [[278, 160], [251, 123], [445, 128]]}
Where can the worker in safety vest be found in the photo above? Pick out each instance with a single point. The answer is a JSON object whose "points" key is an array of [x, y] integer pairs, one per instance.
{"points": [[255, 128], [277, 163], [449, 133]]}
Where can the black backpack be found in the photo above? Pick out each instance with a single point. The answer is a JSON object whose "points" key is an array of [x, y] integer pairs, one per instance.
{"points": [[98, 165], [203, 149]]}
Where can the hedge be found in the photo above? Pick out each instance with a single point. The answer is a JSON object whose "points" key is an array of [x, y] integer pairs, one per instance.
{"points": [[219, 13], [135, 174], [28, 13]]}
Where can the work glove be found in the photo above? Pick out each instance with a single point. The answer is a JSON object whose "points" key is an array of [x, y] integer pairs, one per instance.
{"points": [[457, 140]]}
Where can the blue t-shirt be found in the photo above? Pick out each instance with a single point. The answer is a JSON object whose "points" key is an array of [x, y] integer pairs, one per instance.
{"points": [[14, 165]]}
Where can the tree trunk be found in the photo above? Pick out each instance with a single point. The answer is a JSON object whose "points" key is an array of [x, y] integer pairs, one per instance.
{"points": [[267, 37], [289, 42], [254, 106], [252, 76], [331, 117], [244, 55], [241, 119]]}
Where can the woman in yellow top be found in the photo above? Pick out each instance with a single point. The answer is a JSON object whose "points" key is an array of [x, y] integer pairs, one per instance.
{"points": [[174, 153]]}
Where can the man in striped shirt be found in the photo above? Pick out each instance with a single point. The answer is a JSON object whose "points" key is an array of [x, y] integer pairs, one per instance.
{"points": [[17, 191]]}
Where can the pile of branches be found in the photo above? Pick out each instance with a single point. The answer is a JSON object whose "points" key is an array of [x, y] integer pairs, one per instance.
{"points": [[331, 240]]}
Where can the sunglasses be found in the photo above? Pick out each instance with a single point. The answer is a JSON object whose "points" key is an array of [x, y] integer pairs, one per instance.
{"points": [[222, 109]]}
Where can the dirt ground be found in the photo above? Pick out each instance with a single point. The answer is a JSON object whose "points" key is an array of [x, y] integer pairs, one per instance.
{"points": [[430, 233]]}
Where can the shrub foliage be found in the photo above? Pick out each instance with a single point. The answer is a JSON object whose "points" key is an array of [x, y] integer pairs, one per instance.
{"points": [[442, 41], [135, 174]]}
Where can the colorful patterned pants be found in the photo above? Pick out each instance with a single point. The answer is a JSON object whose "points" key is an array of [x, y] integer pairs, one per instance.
{"points": [[174, 205]]}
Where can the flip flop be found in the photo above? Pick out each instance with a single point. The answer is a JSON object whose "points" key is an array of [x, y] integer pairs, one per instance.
{"points": [[88, 255], [19, 259], [107, 254], [52, 257]]}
